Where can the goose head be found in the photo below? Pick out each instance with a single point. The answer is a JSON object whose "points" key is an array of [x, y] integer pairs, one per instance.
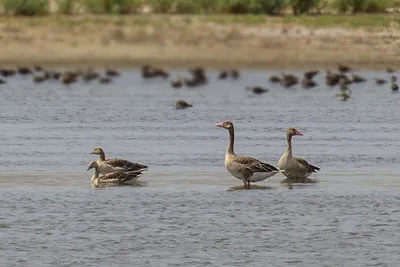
{"points": [[93, 164], [226, 124], [292, 131], [97, 151]]}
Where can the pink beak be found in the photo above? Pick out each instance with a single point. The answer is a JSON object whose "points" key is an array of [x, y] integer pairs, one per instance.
{"points": [[221, 124], [298, 133]]}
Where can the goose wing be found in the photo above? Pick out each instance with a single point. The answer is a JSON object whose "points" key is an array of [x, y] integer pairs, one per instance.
{"points": [[120, 177], [254, 165], [310, 168], [125, 165]]}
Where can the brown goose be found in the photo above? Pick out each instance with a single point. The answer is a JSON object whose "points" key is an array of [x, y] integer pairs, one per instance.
{"points": [[344, 68], [308, 83], [275, 79], [112, 165], [258, 90], [394, 85], [244, 168], [380, 81], [310, 74], [295, 169], [113, 178], [182, 104]]}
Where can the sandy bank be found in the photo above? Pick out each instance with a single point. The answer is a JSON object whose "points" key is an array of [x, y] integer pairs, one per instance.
{"points": [[179, 42]]}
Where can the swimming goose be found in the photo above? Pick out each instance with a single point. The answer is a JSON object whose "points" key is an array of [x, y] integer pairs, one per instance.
{"points": [[394, 85], [258, 90], [113, 178], [181, 104], [295, 169], [379, 81], [244, 168], [111, 165]]}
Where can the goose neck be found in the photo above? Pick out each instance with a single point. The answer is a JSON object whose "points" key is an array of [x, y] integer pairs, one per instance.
{"points": [[230, 149]]}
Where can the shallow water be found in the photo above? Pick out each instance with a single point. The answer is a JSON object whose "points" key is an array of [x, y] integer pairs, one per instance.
{"points": [[185, 213]]}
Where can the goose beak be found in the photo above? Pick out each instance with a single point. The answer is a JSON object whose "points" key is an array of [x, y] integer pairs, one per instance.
{"points": [[221, 124], [298, 133]]}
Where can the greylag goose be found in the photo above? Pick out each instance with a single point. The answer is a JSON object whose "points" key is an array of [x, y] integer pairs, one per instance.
{"points": [[112, 165], [345, 92], [390, 70], [310, 74], [223, 75], [244, 168], [308, 83], [234, 74], [112, 72], [380, 81], [295, 169], [394, 85], [113, 178], [258, 90], [344, 68], [181, 104]]}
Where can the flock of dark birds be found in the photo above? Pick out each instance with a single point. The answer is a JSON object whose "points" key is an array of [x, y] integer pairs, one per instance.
{"points": [[343, 77]]}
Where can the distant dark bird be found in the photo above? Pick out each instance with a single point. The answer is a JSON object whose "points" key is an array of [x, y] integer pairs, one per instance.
{"points": [[308, 83], [379, 81], [7, 72], [288, 80], [198, 77], [223, 75], [150, 72], [235, 74], [394, 85], [344, 68], [275, 79], [181, 104], [358, 78], [37, 68], [111, 72], [332, 79], [68, 77], [24, 70], [310, 74], [104, 80], [55, 75], [178, 83], [258, 90], [390, 70], [90, 75]]}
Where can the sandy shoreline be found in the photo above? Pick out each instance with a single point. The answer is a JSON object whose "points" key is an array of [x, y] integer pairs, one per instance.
{"points": [[178, 44]]}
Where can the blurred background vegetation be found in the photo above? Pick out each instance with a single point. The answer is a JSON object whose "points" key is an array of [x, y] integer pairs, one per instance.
{"points": [[268, 7]]}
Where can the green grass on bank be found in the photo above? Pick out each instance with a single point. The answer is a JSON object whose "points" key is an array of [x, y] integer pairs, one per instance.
{"points": [[322, 21], [347, 21]]}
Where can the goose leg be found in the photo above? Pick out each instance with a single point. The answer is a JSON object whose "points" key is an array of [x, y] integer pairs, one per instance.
{"points": [[248, 184]]}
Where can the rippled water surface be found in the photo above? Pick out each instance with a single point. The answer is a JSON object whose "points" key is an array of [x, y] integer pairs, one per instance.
{"points": [[187, 211]]}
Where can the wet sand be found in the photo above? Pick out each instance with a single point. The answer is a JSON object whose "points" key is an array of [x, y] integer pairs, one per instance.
{"points": [[182, 41]]}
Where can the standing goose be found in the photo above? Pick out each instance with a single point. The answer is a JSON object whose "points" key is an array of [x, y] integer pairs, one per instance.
{"points": [[113, 178], [295, 169], [244, 168], [112, 165]]}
